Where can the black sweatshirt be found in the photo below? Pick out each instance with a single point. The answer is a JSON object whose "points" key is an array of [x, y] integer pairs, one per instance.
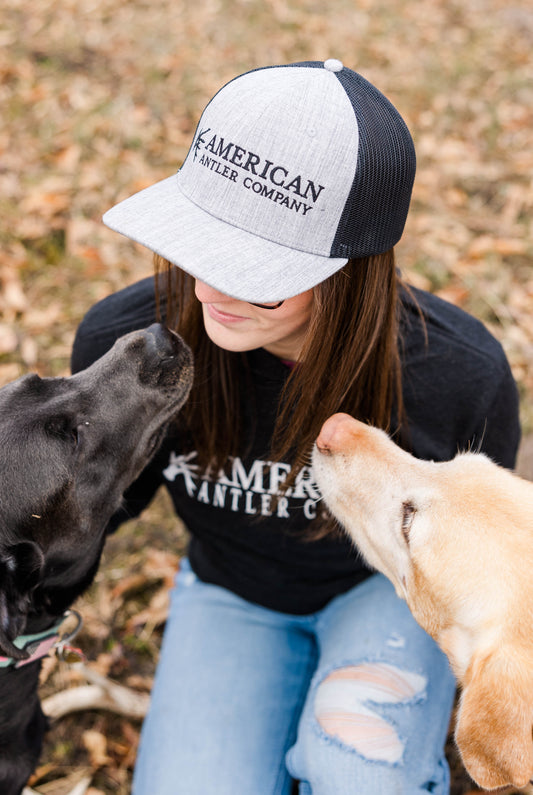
{"points": [[459, 394]]}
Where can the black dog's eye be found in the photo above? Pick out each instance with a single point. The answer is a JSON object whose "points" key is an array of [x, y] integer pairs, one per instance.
{"points": [[62, 428], [408, 514]]}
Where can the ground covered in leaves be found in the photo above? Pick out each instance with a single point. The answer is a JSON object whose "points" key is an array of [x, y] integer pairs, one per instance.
{"points": [[101, 98]]}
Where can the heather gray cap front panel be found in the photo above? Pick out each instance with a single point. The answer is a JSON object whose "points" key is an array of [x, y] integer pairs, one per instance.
{"points": [[288, 185]]}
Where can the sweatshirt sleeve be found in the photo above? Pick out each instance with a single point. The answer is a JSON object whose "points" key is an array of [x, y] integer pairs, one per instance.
{"points": [[459, 390], [498, 432]]}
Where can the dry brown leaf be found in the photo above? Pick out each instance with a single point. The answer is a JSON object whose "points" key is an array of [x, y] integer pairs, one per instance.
{"points": [[68, 158], [162, 564], [96, 744], [130, 584], [103, 663], [494, 245], [455, 294], [8, 339], [9, 372], [154, 615], [140, 682], [12, 295]]}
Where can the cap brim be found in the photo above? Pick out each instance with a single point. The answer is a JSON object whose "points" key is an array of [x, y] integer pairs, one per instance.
{"points": [[233, 261]]}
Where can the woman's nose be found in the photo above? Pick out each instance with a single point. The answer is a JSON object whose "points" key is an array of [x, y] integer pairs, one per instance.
{"points": [[208, 295]]}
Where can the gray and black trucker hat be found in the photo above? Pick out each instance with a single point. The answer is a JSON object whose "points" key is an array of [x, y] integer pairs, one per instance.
{"points": [[293, 170]]}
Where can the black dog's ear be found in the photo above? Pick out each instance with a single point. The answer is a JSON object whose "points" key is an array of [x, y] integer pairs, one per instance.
{"points": [[21, 567]]}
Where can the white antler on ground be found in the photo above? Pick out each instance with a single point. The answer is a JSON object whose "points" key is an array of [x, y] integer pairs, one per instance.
{"points": [[101, 693]]}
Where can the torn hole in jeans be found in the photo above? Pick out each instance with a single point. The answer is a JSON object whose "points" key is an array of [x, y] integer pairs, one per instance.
{"points": [[343, 707]]}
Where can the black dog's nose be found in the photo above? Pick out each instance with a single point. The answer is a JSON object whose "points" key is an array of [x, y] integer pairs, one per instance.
{"points": [[164, 341]]}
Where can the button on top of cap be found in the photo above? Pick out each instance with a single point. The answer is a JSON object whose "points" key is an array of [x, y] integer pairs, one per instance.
{"points": [[333, 65]]}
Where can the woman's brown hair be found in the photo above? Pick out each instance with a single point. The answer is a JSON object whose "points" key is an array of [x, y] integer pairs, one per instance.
{"points": [[350, 362]]}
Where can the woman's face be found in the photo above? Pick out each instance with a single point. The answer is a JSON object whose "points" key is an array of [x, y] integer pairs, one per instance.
{"points": [[238, 326]]}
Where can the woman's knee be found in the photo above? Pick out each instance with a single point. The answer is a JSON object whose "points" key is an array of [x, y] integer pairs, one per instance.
{"points": [[364, 730], [345, 707]]}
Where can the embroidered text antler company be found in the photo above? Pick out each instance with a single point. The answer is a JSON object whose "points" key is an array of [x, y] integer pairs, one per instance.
{"points": [[274, 182]]}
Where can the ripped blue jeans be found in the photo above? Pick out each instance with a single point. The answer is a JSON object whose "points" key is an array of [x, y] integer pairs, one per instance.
{"points": [[352, 700]]}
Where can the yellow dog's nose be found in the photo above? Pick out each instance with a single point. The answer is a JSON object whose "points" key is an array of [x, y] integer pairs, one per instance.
{"points": [[339, 432]]}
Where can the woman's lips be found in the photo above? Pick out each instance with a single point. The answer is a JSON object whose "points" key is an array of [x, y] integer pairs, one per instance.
{"points": [[223, 317]]}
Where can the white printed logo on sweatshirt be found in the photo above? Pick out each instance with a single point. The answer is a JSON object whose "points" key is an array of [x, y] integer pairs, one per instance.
{"points": [[249, 491]]}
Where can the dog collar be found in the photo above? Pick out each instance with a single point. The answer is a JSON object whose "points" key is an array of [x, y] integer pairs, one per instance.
{"points": [[40, 644]]}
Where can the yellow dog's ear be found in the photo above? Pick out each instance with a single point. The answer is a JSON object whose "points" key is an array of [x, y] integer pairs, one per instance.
{"points": [[494, 723]]}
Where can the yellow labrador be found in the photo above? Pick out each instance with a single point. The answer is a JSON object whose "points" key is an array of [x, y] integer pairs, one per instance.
{"points": [[456, 540]]}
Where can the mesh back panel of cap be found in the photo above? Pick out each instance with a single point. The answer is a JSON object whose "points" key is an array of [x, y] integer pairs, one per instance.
{"points": [[375, 213]]}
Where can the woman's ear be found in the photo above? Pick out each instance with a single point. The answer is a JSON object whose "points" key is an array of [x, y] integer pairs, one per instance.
{"points": [[21, 568], [494, 723]]}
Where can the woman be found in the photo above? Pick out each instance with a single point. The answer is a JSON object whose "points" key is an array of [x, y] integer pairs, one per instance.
{"points": [[284, 658]]}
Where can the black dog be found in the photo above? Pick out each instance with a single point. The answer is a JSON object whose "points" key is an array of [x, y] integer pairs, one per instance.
{"points": [[69, 447]]}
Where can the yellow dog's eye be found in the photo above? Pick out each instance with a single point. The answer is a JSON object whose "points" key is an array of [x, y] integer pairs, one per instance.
{"points": [[408, 513]]}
